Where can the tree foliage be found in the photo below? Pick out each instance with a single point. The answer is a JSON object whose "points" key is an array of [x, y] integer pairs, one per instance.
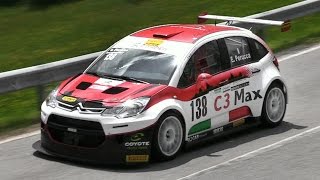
{"points": [[34, 3]]}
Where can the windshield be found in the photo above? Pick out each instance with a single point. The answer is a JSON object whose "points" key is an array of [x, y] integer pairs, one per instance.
{"points": [[135, 64]]}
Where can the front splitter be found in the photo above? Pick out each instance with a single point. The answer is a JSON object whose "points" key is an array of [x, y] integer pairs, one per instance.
{"points": [[117, 149]]}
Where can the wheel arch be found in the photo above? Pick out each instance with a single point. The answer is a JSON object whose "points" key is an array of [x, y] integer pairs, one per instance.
{"points": [[156, 148], [175, 111], [275, 80], [265, 119], [282, 85]]}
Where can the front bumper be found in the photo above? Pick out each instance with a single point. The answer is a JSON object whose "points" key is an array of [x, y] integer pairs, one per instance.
{"points": [[117, 149], [95, 138], [111, 125]]}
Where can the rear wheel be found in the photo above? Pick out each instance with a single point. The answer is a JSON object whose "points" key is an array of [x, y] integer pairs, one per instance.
{"points": [[168, 137], [274, 106]]}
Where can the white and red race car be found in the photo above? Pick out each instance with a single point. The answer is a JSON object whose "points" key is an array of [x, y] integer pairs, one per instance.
{"points": [[161, 88]]}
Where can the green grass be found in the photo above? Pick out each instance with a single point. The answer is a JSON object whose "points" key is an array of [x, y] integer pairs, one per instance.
{"points": [[31, 36], [18, 109], [303, 30]]}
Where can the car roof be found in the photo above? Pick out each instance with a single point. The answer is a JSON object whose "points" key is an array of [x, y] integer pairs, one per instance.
{"points": [[188, 33]]}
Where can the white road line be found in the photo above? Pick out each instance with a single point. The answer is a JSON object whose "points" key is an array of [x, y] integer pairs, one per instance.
{"points": [[20, 136], [253, 153], [299, 53]]}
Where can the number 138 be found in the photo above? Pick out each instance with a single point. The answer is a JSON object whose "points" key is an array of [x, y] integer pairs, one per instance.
{"points": [[199, 108]]}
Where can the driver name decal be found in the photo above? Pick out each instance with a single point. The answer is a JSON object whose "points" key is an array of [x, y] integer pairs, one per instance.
{"points": [[237, 58]]}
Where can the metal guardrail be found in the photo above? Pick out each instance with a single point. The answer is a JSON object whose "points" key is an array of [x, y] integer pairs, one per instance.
{"points": [[56, 71], [289, 12], [45, 73]]}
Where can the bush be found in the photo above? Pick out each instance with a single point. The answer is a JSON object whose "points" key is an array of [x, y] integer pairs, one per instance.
{"points": [[9, 2], [46, 3]]}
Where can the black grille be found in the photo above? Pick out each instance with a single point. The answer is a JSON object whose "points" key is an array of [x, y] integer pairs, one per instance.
{"points": [[92, 104], [75, 132]]}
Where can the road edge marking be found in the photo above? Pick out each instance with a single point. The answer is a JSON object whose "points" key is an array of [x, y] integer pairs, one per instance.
{"points": [[254, 152], [305, 51], [21, 136]]}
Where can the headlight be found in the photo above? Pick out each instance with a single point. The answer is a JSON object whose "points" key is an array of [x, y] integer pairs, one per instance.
{"points": [[51, 99], [129, 108]]}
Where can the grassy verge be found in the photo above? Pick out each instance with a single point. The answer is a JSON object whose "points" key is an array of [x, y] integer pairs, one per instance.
{"points": [[36, 36], [18, 109], [304, 30]]}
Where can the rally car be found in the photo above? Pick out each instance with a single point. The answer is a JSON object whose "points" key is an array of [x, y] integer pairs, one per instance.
{"points": [[162, 88]]}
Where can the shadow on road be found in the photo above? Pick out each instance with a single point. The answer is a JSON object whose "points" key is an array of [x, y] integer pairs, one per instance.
{"points": [[209, 149]]}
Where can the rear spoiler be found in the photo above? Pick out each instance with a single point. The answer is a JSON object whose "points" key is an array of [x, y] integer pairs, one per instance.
{"points": [[285, 25]]}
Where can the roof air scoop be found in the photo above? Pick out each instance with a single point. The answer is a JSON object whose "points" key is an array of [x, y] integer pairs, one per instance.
{"points": [[166, 34]]}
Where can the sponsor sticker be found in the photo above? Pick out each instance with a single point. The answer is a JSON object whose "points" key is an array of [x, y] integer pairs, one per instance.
{"points": [[244, 96], [137, 143], [110, 56], [196, 137], [69, 99], [153, 42], [113, 52], [108, 82], [216, 91], [217, 130], [137, 158], [226, 89], [192, 138], [137, 137], [119, 50], [239, 86], [72, 130]]}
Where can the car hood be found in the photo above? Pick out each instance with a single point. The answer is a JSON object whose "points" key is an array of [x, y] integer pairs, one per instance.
{"points": [[91, 88]]}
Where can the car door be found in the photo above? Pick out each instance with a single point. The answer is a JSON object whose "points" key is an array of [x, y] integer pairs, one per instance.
{"points": [[245, 82], [203, 74]]}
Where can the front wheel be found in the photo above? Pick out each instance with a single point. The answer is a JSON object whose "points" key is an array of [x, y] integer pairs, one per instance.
{"points": [[274, 106], [168, 137]]}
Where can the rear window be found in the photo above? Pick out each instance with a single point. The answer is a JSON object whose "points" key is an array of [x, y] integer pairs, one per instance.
{"points": [[238, 50], [258, 50]]}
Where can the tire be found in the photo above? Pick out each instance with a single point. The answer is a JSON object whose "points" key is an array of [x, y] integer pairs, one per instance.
{"points": [[168, 138], [274, 106]]}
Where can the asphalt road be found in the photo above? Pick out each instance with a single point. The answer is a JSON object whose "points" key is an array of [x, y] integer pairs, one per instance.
{"points": [[256, 153]]}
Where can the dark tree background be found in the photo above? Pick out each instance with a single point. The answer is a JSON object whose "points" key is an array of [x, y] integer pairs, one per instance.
{"points": [[34, 3]]}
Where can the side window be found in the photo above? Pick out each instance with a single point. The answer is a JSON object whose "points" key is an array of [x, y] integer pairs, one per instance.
{"points": [[238, 50], [204, 60], [258, 50]]}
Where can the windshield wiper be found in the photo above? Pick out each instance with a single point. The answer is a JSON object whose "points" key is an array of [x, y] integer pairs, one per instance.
{"points": [[125, 78], [116, 77], [94, 73]]}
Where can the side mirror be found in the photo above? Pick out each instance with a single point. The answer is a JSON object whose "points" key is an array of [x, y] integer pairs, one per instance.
{"points": [[217, 80], [203, 76]]}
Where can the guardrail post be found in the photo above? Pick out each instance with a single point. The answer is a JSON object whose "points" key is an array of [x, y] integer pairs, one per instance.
{"points": [[41, 94]]}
